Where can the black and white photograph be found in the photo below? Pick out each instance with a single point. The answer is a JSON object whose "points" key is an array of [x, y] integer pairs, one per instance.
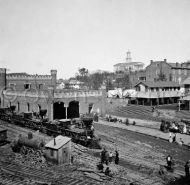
{"points": [[94, 92]]}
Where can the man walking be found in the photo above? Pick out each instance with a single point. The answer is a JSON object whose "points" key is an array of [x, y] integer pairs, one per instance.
{"points": [[187, 169], [116, 157]]}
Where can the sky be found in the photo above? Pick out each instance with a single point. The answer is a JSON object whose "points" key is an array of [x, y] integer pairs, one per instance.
{"points": [[39, 35]]}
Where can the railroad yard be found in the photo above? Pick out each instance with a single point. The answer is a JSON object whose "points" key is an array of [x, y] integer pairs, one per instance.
{"points": [[141, 158]]}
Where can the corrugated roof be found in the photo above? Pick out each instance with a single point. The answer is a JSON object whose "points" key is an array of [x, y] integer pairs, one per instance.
{"points": [[159, 84], [59, 140]]}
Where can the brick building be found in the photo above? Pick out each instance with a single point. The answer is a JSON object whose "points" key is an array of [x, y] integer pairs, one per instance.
{"points": [[22, 81], [163, 71], [27, 95]]}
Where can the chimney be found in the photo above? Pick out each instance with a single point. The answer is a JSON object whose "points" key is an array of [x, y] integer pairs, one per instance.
{"points": [[165, 60], [54, 141], [54, 77], [151, 61]]}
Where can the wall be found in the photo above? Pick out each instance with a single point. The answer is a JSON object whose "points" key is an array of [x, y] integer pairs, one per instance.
{"points": [[50, 157], [18, 81], [64, 153], [46, 99], [180, 74], [155, 68]]}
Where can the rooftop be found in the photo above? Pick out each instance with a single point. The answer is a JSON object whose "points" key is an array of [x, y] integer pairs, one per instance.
{"points": [[186, 81], [158, 84], [129, 63], [59, 142]]}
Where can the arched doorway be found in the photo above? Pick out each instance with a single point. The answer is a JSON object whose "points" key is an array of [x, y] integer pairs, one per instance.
{"points": [[59, 110], [73, 109]]}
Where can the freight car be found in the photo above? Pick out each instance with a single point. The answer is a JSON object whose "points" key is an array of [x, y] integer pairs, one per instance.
{"points": [[81, 130]]}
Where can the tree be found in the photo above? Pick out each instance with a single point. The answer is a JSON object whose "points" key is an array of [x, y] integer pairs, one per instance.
{"points": [[123, 81], [96, 81], [83, 72], [82, 76]]}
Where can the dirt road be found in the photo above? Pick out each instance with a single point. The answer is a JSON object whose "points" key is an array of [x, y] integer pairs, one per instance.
{"points": [[143, 153]]}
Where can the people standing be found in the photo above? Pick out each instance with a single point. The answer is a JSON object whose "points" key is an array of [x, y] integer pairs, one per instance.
{"points": [[103, 155], [116, 157], [107, 171], [187, 169], [100, 167], [110, 157], [174, 138], [169, 162], [180, 142], [107, 157]]}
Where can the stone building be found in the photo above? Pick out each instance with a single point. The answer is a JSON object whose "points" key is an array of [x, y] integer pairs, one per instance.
{"points": [[60, 104], [22, 81]]}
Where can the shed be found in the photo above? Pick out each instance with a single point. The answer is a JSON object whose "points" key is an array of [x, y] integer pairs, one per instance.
{"points": [[58, 150]]}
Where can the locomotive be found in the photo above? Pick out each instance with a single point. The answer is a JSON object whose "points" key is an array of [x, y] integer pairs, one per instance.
{"points": [[81, 129]]}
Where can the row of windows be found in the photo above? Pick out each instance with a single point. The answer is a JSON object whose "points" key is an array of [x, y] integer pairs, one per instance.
{"points": [[179, 71], [26, 86]]}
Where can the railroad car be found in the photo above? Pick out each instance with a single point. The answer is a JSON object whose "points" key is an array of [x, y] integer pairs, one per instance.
{"points": [[81, 130]]}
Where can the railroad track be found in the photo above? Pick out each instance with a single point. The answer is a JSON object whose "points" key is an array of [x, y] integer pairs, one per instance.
{"points": [[12, 172], [131, 175]]}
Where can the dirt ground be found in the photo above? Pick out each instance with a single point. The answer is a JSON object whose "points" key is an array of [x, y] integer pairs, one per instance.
{"points": [[141, 158], [142, 153]]}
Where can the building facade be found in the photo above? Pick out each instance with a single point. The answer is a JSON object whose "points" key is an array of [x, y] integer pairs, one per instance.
{"points": [[23, 81], [156, 93], [128, 66], [170, 72], [59, 103]]}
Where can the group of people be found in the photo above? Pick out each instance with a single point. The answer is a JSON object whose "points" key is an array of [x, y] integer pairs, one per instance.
{"points": [[170, 163], [107, 158], [173, 139]]}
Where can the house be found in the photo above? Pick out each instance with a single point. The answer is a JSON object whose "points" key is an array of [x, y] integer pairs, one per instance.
{"points": [[58, 150], [156, 93]]}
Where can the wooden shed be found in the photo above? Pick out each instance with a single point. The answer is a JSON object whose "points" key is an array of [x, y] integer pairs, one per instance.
{"points": [[58, 150]]}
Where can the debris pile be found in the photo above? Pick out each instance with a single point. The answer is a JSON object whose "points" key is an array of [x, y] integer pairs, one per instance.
{"points": [[31, 157]]}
